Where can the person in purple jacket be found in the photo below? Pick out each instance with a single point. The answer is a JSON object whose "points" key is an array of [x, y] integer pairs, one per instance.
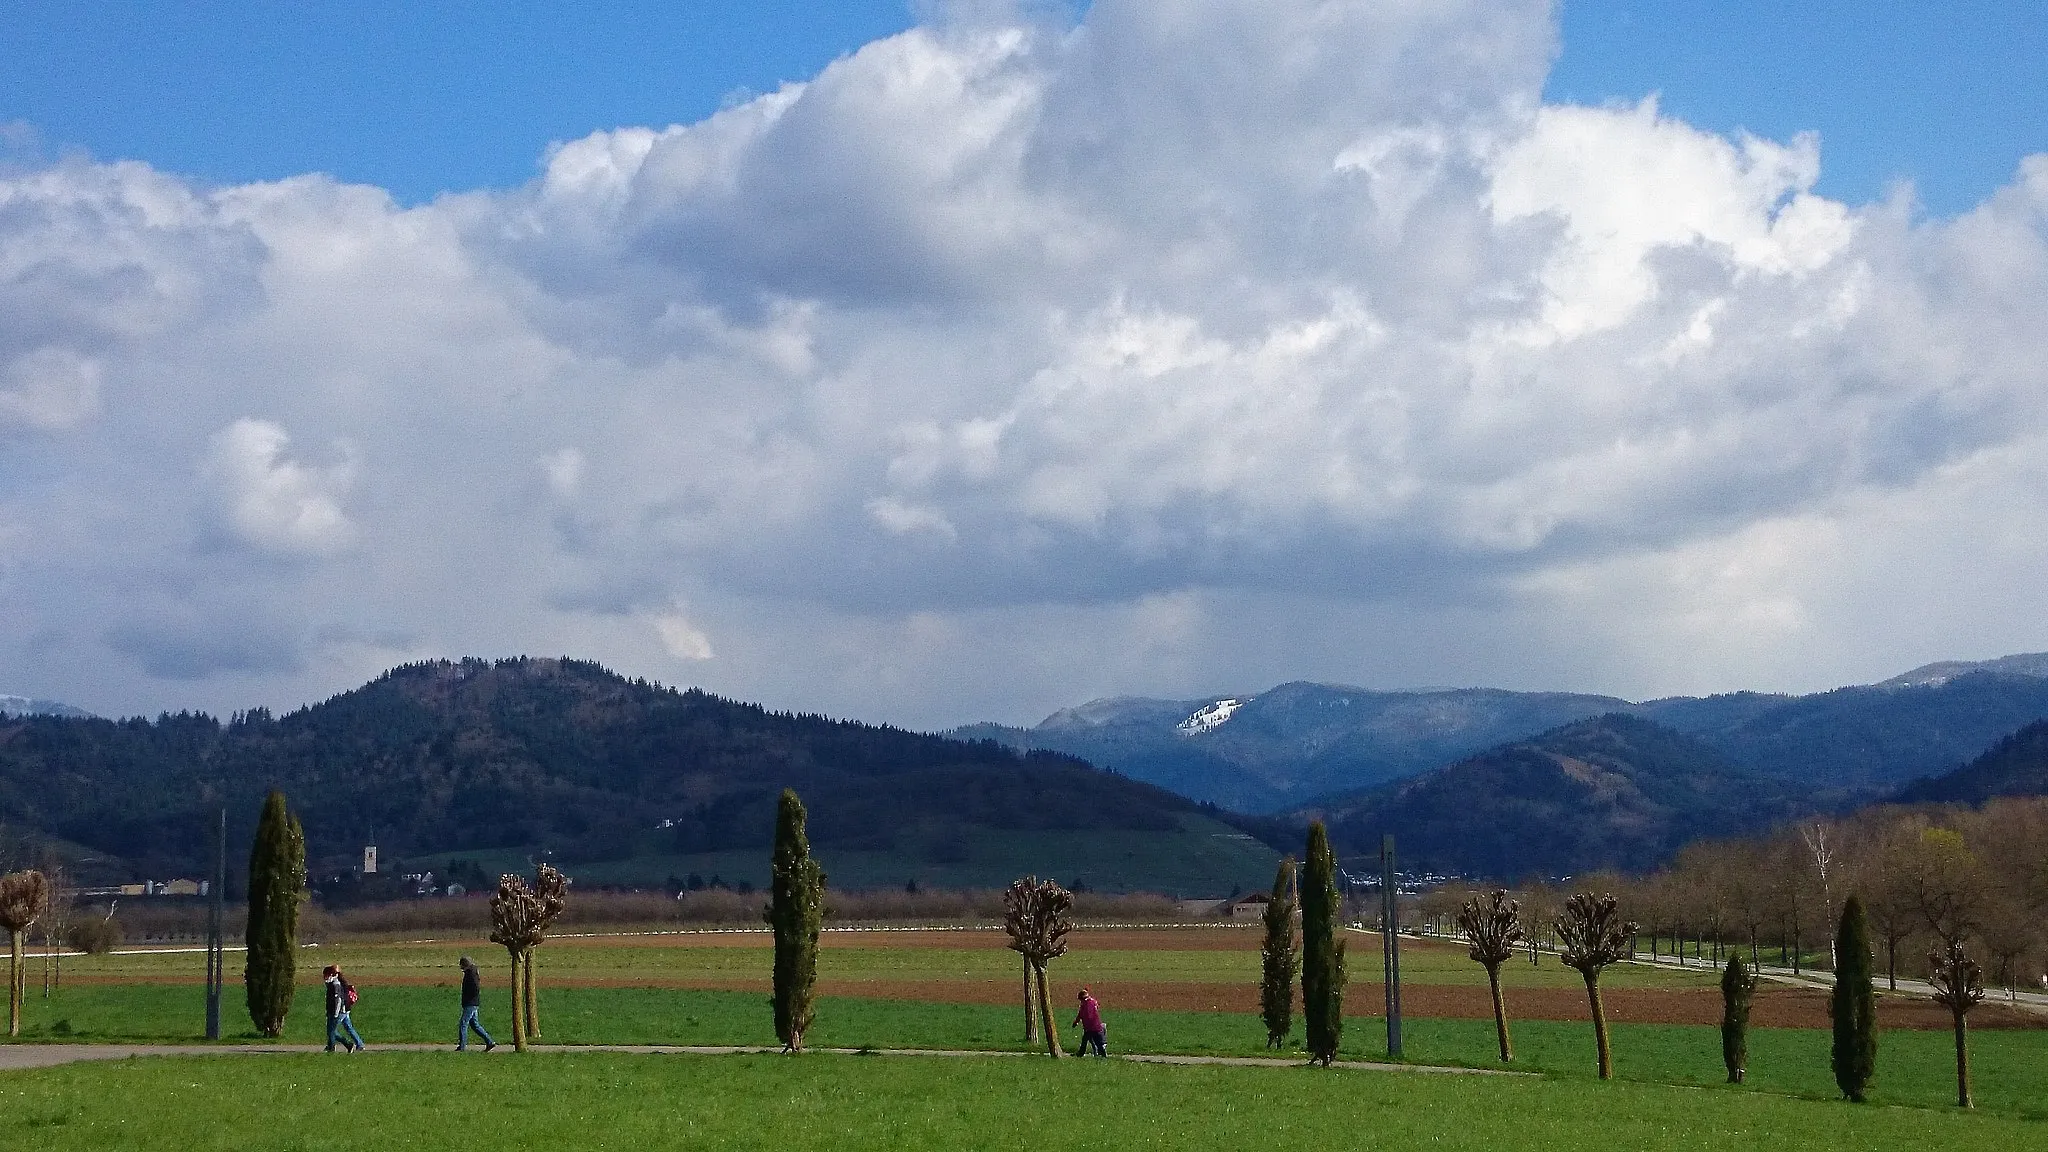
{"points": [[1094, 1034]]}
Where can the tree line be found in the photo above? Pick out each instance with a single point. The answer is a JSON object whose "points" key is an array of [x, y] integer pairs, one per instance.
{"points": [[1928, 876]]}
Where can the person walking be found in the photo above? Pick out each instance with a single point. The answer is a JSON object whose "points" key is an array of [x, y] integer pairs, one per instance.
{"points": [[472, 1003], [341, 996], [1094, 1034]]}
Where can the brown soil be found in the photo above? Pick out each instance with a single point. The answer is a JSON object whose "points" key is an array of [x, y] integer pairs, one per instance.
{"points": [[1204, 939]]}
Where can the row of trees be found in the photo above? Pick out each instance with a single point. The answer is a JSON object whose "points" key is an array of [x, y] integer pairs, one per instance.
{"points": [[1593, 934], [1929, 877], [521, 914], [1591, 929]]}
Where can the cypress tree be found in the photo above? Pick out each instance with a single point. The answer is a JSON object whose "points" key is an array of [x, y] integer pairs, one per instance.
{"points": [[1276, 985], [277, 880], [796, 911], [1854, 1004], [1738, 985], [1322, 949]]}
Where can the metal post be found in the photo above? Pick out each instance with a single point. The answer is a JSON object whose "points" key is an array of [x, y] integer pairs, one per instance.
{"points": [[1390, 942], [216, 955]]}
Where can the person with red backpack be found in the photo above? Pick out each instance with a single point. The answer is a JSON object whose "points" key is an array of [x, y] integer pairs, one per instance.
{"points": [[341, 996]]}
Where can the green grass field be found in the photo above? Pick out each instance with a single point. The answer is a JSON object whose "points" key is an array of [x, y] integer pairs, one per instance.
{"points": [[628, 991], [874, 957], [1915, 1068], [601, 1101]]}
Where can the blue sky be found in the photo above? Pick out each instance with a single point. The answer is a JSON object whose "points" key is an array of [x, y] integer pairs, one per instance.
{"points": [[422, 98]]}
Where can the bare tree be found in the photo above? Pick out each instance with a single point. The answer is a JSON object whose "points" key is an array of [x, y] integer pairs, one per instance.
{"points": [[1036, 914], [1815, 835], [1493, 927], [1791, 894], [1592, 934], [1948, 885], [1747, 888], [23, 896], [1889, 881], [1540, 906], [56, 923], [1959, 987], [2009, 934], [1700, 886]]}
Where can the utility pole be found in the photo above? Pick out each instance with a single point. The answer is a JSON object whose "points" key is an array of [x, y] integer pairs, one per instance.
{"points": [[1390, 943], [215, 953]]}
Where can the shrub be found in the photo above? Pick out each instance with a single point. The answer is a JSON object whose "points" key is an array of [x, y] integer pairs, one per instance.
{"points": [[94, 935]]}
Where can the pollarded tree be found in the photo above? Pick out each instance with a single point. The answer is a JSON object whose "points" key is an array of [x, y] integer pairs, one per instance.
{"points": [[23, 897], [1592, 934], [1493, 928], [277, 883], [515, 915], [1958, 986], [1280, 959], [1853, 1004], [1738, 986], [1036, 914], [551, 896], [1322, 949], [796, 912]]}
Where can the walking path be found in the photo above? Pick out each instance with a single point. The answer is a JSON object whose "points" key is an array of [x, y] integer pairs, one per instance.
{"points": [[2017, 997], [20, 1056]]}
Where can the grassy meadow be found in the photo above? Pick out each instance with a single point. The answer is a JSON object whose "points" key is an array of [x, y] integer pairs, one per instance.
{"points": [[607, 1101], [959, 990]]}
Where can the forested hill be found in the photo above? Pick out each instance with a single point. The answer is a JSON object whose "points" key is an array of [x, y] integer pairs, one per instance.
{"points": [[2015, 766], [1614, 791], [552, 754]]}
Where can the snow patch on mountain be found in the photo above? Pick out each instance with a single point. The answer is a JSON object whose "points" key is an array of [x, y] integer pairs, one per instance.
{"points": [[28, 706], [1939, 673], [1208, 718]]}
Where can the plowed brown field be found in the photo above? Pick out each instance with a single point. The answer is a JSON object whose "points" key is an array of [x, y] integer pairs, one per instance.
{"points": [[1203, 939]]}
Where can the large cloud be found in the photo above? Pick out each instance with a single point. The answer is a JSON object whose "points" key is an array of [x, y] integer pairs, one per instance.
{"points": [[1006, 363]]}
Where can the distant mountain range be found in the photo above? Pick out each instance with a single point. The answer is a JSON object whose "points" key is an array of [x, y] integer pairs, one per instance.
{"points": [[1293, 745], [620, 780], [1614, 791], [29, 706], [485, 766]]}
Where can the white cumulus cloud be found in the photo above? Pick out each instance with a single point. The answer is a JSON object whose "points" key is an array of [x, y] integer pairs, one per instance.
{"points": [[276, 503], [1006, 363]]}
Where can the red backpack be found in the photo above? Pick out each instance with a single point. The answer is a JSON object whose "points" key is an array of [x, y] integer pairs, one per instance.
{"points": [[348, 994]]}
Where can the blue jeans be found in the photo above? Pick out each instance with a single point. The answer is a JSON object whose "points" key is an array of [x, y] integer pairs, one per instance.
{"points": [[334, 1032], [462, 1030], [1096, 1040]]}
